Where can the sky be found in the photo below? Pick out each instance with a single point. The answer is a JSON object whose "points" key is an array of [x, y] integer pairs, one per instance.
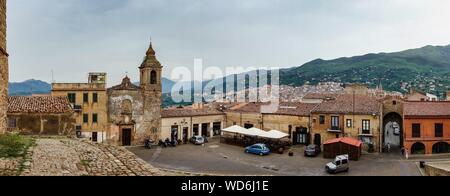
{"points": [[74, 37]]}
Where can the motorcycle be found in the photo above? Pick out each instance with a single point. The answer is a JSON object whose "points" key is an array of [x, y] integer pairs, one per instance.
{"points": [[162, 144], [148, 144]]}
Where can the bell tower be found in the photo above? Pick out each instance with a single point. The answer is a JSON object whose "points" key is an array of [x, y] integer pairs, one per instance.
{"points": [[151, 92], [150, 72]]}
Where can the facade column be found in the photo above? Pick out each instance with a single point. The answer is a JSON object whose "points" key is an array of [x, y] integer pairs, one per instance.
{"points": [[200, 126], [211, 130]]}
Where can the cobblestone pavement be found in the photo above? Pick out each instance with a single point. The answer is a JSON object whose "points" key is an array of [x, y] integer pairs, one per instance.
{"points": [[221, 159], [69, 157], [9, 167]]}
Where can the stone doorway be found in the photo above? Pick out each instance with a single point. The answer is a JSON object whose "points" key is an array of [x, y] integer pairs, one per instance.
{"points": [[392, 132]]}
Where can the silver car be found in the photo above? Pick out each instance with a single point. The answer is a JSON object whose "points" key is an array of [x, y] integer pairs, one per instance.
{"points": [[198, 140], [340, 164]]}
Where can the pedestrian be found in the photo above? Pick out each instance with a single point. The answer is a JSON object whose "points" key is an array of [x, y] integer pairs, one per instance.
{"points": [[402, 151], [389, 147], [406, 154]]}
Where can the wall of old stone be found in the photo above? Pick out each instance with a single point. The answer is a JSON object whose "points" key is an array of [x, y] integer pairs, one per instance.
{"points": [[116, 115], [3, 67], [45, 124], [150, 126]]}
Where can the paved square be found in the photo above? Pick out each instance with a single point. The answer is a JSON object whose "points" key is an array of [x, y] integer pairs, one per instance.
{"points": [[222, 159]]}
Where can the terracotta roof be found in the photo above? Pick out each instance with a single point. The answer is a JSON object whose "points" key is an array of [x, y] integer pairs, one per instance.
{"points": [[40, 105], [285, 108], [346, 140], [321, 95], [348, 104], [427, 108], [188, 112]]}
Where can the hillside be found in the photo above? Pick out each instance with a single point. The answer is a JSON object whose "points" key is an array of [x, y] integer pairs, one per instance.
{"points": [[426, 68]]}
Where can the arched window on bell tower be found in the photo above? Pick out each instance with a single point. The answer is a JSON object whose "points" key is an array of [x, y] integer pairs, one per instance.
{"points": [[153, 77]]}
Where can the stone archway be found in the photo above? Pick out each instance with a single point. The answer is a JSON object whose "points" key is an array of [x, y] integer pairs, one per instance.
{"points": [[418, 148], [393, 130], [441, 147]]}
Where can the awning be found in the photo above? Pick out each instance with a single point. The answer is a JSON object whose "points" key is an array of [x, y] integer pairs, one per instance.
{"points": [[236, 129], [274, 134]]}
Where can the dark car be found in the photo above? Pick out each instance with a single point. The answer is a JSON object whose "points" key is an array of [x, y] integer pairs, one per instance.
{"points": [[312, 150]]}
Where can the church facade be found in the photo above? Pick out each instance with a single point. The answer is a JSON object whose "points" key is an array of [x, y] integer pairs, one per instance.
{"points": [[134, 112]]}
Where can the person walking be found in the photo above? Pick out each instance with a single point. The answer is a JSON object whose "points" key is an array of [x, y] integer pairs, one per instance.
{"points": [[389, 147]]}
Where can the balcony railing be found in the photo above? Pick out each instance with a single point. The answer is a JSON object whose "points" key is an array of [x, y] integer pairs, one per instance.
{"points": [[336, 129]]}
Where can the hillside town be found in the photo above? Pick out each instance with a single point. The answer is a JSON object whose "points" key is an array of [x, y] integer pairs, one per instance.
{"points": [[89, 128]]}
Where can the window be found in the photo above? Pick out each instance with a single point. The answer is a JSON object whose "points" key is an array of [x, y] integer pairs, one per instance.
{"points": [[322, 119], [415, 130], [344, 162], [349, 123], [153, 77], [248, 126], [94, 118], [366, 127], [338, 163], [85, 118], [95, 97], [72, 97], [85, 97], [234, 123], [438, 130], [394, 103], [12, 123], [335, 123]]}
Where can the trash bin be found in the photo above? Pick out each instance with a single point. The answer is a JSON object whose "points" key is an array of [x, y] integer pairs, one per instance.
{"points": [[422, 164]]}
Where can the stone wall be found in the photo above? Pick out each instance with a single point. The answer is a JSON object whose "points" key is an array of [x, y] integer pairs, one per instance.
{"points": [[3, 67], [45, 124]]}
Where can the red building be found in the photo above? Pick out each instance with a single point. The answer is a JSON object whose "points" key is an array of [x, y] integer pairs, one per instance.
{"points": [[427, 127]]}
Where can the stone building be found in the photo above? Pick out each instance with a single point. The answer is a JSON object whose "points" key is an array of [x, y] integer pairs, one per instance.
{"points": [[3, 67], [135, 111], [427, 127], [43, 115], [290, 118], [345, 115], [89, 101], [184, 123]]}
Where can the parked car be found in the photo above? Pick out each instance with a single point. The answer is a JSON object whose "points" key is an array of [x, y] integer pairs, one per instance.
{"points": [[397, 131], [259, 149], [197, 140], [312, 150], [340, 164]]}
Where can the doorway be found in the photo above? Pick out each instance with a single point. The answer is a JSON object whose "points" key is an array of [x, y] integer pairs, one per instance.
{"points": [[126, 137], [94, 136], [185, 135], [205, 130], [300, 136], [393, 131], [174, 133], [317, 139]]}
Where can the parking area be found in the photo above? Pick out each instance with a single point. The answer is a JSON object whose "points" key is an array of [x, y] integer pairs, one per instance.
{"points": [[222, 159]]}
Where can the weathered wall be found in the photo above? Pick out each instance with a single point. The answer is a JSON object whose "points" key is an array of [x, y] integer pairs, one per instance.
{"points": [[36, 124], [118, 117], [356, 131], [3, 67], [244, 118], [88, 108], [188, 122], [282, 122]]}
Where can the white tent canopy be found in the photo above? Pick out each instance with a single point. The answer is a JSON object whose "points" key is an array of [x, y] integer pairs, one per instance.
{"points": [[274, 134]]}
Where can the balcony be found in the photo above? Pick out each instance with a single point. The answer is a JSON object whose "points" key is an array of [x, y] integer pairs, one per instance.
{"points": [[77, 108], [364, 132], [335, 129]]}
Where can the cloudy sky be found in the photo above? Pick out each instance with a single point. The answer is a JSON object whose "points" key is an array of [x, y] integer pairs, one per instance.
{"points": [[74, 37]]}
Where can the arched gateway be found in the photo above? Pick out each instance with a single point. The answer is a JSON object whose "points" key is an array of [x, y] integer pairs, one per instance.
{"points": [[392, 124]]}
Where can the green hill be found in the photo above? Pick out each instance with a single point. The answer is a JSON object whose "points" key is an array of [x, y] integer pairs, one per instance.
{"points": [[426, 68]]}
